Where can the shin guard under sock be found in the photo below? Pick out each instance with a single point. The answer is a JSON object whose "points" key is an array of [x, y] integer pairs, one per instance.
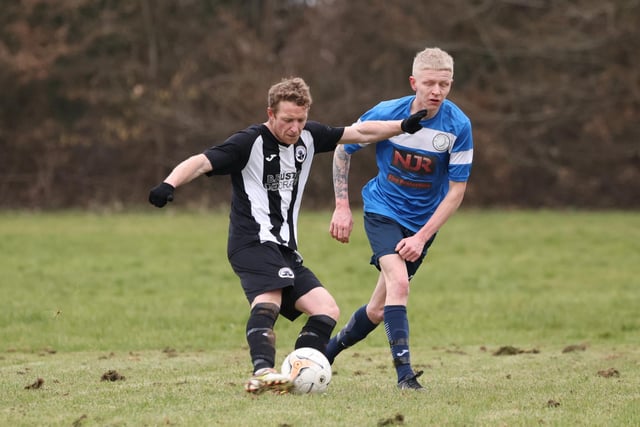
{"points": [[396, 326], [316, 332], [260, 335]]}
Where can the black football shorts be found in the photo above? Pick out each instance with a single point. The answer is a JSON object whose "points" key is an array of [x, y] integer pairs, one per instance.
{"points": [[267, 266]]}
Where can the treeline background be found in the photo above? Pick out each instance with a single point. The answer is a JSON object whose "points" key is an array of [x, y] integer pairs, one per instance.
{"points": [[99, 99]]}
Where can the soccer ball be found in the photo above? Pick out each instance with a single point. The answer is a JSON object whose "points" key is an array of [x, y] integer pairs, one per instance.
{"points": [[308, 369]]}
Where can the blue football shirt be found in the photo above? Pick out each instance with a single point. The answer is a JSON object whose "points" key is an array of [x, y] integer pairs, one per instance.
{"points": [[414, 170]]}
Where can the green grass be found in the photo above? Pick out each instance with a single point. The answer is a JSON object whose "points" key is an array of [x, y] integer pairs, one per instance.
{"points": [[152, 297]]}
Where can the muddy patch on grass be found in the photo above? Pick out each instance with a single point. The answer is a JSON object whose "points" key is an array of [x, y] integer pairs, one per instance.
{"points": [[170, 352], [609, 373], [78, 422], [552, 403], [112, 375], [35, 385], [574, 347], [509, 350], [397, 420]]}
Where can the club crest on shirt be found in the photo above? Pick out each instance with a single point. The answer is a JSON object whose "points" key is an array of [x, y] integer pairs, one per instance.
{"points": [[301, 153], [441, 142], [286, 273]]}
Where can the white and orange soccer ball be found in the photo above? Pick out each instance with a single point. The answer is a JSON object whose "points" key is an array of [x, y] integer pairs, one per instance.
{"points": [[308, 369]]}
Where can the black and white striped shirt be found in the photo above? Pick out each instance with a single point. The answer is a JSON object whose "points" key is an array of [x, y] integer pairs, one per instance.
{"points": [[268, 179]]}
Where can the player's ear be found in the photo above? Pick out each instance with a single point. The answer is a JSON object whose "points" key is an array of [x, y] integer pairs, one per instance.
{"points": [[412, 82]]}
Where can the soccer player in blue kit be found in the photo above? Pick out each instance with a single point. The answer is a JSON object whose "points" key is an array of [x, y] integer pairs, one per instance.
{"points": [[421, 181], [269, 165]]}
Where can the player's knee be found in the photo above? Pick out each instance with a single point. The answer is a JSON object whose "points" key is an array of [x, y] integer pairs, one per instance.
{"points": [[319, 302], [328, 307], [398, 289], [332, 310], [375, 314]]}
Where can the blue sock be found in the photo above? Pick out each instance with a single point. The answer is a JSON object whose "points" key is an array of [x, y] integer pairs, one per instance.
{"points": [[396, 325], [358, 327]]}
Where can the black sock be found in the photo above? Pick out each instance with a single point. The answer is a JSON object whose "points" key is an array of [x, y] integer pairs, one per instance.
{"points": [[316, 332], [260, 335]]}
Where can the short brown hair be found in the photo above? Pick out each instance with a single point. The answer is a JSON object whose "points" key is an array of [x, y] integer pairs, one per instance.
{"points": [[292, 89]]}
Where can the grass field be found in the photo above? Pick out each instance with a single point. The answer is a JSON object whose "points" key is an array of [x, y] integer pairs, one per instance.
{"points": [[137, 319]]}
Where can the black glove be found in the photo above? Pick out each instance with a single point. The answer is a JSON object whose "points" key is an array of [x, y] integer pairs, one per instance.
{"points": [[412, 123], [161, 194]]}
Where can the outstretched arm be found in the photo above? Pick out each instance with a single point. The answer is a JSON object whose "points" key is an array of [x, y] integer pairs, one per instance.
{"points": [[378, 130], [185, 172], [342, 219], [188, 170]]}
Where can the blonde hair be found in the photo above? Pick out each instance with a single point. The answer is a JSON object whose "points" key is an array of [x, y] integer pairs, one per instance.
{"points": [[432, 58], [292, 89]]}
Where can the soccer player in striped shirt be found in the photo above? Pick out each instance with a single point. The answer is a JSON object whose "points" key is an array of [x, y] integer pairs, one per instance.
{"points": [[269, 165]]}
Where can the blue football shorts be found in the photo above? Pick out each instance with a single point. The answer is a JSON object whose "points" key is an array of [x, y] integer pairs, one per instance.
{"points": [[264, 267], [384, 234]]}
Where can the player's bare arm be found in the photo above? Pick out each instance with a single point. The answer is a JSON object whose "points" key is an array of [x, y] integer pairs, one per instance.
{"points": [[188, 170], [377, 130], [342, 219], [411, 248]]}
